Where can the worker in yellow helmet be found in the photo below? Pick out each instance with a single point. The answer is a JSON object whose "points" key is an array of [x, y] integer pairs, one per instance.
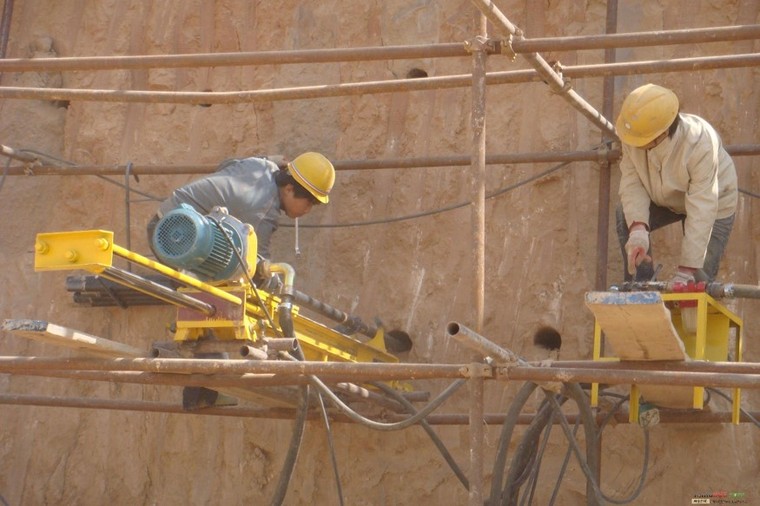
{"points": [[673, 169], [256, 191]]}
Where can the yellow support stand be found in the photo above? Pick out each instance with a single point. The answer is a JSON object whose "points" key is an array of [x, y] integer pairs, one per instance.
{"points": [[702, 324]]}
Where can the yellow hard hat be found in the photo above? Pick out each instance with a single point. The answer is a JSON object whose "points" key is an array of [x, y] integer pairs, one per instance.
{"points": [[646, 112], [314, 172]]}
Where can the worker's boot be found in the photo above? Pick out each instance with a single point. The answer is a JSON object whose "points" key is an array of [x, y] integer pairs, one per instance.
{"points": [[201, 397]]}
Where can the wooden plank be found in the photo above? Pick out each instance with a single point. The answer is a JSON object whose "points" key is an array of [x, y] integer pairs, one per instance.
{"points": [[40, 330], [638, 326]]}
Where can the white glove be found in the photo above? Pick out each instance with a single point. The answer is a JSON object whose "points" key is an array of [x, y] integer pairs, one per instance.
{"points": [[636, 248]]}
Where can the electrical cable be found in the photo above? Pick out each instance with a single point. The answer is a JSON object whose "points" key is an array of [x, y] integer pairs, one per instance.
{"points": [[429, 430], [295, 445], [331, 445], [510, 422], [563, 467], [382, 426], [5, 174], [751, 418]]}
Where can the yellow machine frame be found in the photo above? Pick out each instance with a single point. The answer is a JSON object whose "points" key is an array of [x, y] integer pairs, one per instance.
{"points": [[238, 316], [710, 342]]}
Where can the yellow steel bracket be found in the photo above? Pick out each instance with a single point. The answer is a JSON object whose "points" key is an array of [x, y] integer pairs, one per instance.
{"points": [[90, 250]]}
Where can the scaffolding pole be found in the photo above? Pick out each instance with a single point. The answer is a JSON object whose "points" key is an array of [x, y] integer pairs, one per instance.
{"points": [[401, 52], [393, 85], [611, 155]]}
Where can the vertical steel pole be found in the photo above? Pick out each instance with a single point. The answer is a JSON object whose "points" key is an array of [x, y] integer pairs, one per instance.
{"points": [[603, 229], [478, 122]]}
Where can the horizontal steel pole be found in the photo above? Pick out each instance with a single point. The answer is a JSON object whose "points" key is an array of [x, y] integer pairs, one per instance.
{"points": [[344, 165], [115, 62], [444, 50], [346, 370], [659, 365], [388, 86], [365, 371], [623, 377], [492, 419], [637, 39]]}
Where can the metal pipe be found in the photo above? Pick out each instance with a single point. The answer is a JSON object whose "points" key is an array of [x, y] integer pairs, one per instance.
{"points": [[454, 49], [387, 86], [478, 169], [335, 55], [612, 40], [282, 343], [622, 377], [253, 353], [347, 370], [555, 80], [171, 273], [353, 323], [481, 344], [5, 28], [387, 163], [17, 399], [157, 290], [660, 365]]}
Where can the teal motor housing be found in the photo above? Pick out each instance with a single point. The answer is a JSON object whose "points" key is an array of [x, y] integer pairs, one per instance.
{"points": [[186, 240]]}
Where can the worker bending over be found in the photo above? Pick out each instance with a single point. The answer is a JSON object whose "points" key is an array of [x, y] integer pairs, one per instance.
{"points": [[673, 169], [255, 191]]}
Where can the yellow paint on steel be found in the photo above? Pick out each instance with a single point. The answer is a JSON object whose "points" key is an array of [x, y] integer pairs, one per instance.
{"points": [[90, 250], [171, 273]]}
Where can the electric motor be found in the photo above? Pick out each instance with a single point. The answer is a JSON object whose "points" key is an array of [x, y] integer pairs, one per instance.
{"points": [[184, 239]]}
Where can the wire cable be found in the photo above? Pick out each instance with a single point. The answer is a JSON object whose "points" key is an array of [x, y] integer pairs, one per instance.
{"points": [[429, 430], [331, 445], [751, 418]]}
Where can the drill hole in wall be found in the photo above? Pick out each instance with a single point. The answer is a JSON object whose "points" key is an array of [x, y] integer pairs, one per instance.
{"points": [[416, 73]]}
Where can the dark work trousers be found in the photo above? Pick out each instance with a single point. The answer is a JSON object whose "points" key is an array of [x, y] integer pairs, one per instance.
{"points": [[662, 216]]}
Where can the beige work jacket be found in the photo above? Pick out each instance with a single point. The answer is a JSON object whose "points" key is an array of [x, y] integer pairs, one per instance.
{"points": [[689, 173]]}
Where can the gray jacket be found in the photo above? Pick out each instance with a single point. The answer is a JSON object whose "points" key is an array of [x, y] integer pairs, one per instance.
{"points": [[246, 187]]}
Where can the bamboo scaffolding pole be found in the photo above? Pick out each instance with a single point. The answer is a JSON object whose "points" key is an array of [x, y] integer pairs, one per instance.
{"points": [[388, 86], [378, 53]]}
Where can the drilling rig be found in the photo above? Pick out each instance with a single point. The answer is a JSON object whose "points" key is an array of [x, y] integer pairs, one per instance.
{"points": [[230, 302]]}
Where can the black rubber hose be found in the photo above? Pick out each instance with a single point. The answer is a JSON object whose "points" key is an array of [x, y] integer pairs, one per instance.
{"points": [[429, 430], [508, 427]]}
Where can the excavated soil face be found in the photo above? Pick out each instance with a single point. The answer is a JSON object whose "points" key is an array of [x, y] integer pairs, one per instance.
{"points": [[415, 274]]}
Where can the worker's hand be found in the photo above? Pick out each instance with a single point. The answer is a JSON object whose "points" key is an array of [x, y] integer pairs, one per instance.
{"points": [[682, 277], [636, 248]]}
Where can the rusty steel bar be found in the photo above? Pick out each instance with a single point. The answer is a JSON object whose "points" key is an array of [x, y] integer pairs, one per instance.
{"points": [[336, 55], [661, 365], [636, 39], [371, 371], [387, 86], [707, 379], [346, 370], [479, 343], [152, 61], [478, 173], [15, 399], [342, 165], [554, 79]]}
